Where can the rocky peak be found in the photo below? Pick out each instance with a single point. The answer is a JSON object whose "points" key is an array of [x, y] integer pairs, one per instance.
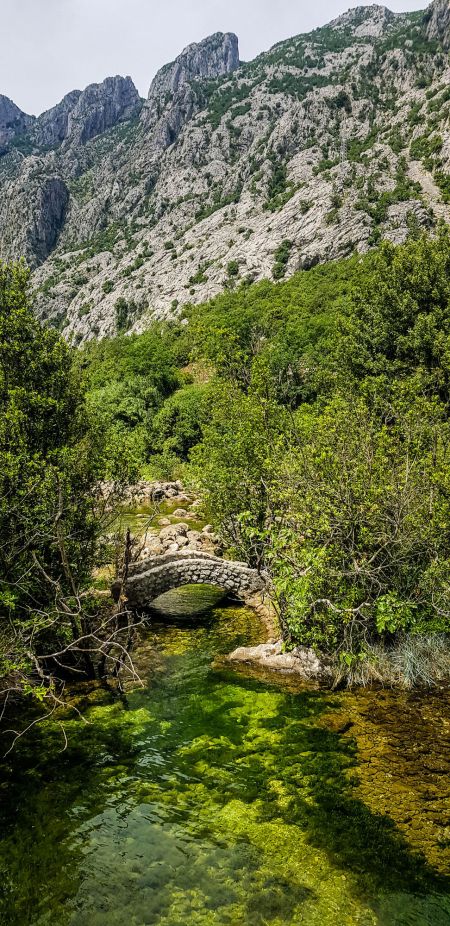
{"points": [[51, 127], [438, 22], [365, 20], [215, 56], [82, 115], [13, 122], [101, 106], [230, 177]]}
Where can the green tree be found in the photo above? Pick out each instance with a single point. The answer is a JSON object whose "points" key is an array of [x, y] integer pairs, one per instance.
{"points": [[51, 461], [232, 464], [359, 547], [178, 425]]}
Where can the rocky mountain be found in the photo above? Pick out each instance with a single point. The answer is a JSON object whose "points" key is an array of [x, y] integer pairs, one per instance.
{"points": [[13, 123], [438, 22], [81, 116], [229, 171]]}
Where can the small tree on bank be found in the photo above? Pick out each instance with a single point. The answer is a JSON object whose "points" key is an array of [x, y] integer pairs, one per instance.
{"points": [[51, 461]]}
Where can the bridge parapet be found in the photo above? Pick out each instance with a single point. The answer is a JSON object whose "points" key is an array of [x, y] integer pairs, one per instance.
{"points": [[153, 577]]}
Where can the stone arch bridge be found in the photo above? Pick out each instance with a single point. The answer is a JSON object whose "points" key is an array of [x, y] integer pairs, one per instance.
{"points": [[153, 577]]}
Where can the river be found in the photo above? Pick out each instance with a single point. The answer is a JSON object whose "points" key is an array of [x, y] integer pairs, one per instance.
{"points": [[214, 797]]}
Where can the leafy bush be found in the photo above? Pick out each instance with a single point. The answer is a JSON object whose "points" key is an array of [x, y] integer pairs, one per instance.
{"points": [[178, 425], [128, 379], [345, 498], [52, 456], [281, 255]]}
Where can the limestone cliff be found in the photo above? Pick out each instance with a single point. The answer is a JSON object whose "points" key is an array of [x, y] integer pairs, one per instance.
{"points": [[175, 93], [229, 171], [438, 17], [13, 123], [81, 116]]}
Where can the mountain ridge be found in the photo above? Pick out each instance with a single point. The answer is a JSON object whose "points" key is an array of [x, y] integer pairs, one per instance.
{"points": [[230, 171]]}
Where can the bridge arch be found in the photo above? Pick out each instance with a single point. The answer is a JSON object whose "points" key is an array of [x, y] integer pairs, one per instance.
{"points": [[153, 577]]}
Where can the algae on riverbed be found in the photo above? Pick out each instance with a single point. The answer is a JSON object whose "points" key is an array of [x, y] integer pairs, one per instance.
{"points": [[212, 798]]}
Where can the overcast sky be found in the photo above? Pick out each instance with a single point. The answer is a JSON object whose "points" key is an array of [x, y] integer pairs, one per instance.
{"points": [[52, 46]]}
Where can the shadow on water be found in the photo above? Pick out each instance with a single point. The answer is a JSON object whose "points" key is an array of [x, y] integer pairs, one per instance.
{"points": [[356, 839], [317, 770], [208, 799]]}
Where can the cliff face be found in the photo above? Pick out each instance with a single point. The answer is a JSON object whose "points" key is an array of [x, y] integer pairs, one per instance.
{"points": [[81, 116], [214, 57], [13, 123], [52, 127], [229, 172], [438, 18], [175, 93]]}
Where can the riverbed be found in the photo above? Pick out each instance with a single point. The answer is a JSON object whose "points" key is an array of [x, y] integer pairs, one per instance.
{"points": [[211, 797]]}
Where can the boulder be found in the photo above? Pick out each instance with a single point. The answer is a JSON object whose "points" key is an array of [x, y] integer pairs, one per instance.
{"points": [[173, 531], [302, 661], [172, 548], [154, 548], [194, 537]]}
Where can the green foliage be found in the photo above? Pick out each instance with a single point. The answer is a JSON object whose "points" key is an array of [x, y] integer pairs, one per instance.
{"points": [[342, 101], [281, 255], [128, 379], [400, 317], [286, 327], [297, 85], [220, 201], [364, 504], [357, 146], [321, 440], [121, 310], [443, 182], [223, 98], [377, 203], [178, 425], [425, 148], [199, 277], [107, 239], [231, 463], [346, 498], [396, 141], [233, 268], [51, 458]]}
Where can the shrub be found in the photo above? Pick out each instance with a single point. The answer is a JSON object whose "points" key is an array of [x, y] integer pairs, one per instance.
{"points": [[281, 255]]}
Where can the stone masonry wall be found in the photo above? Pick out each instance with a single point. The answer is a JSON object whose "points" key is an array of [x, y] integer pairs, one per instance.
{"points": [[154, 577]]}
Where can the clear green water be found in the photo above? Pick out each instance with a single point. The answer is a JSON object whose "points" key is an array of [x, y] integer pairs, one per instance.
{"points": [[209, 797]]}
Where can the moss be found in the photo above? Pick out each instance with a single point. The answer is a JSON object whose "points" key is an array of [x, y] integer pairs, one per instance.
{"points": [[211, 798]]}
